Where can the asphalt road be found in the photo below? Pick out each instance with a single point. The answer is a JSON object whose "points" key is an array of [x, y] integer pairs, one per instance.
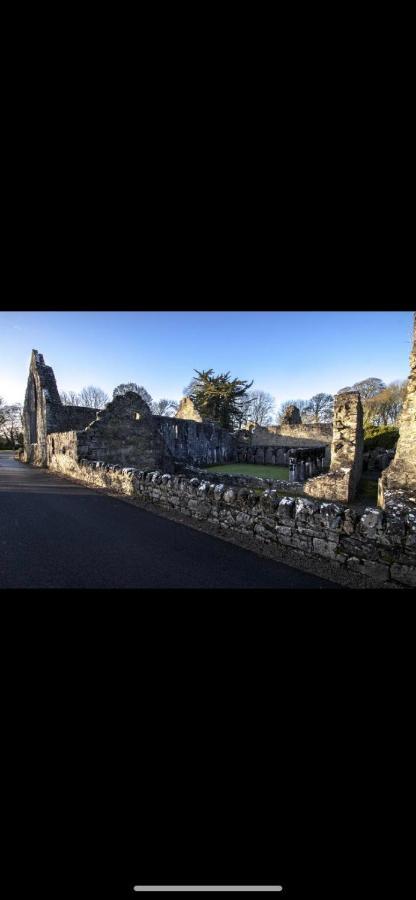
{"points": [[57, 534]]}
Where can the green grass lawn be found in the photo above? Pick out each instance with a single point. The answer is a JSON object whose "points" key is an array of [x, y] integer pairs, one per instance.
{"points": [[280, 473]]}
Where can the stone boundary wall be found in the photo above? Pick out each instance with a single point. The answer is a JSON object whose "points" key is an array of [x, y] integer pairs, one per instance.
{"points": [[195, 442], [287, 435], [379, 548]]}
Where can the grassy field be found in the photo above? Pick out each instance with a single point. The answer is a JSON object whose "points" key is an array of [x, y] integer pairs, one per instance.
{"points": [[280, 473]]}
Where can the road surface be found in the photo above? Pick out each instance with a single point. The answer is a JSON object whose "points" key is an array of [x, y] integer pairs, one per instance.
{"points": [[58, 534]]}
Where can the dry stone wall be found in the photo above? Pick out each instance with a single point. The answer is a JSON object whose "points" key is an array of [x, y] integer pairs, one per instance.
{"points": [[377, 547]]}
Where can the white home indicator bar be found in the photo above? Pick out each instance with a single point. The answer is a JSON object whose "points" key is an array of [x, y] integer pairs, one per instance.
{"points": [[216, 887]]}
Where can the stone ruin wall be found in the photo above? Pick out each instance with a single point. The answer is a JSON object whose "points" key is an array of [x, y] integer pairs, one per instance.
{"points": [[116, 435], [378, 548], [288, 436], [292, 416], [197, 443], [44, 412], [187, 410], [342, 480], [124, 432], [398, 482], [127, 434]]}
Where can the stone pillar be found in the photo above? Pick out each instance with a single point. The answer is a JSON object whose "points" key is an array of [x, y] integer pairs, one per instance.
{"points": [[400, 475], [310, 468], [293, 466], [346, 453], [268, 456]]}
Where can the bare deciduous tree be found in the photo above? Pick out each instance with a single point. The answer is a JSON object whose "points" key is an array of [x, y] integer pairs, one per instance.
{"points": [[165, 407], [11, 424], [320, 409], [70, 398], [136, 389], [259, 408], [385, 407], [367, 388], [93, 397]]}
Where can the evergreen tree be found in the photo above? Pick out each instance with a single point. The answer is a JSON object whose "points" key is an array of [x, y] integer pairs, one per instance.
{"points": [[220, 398]]}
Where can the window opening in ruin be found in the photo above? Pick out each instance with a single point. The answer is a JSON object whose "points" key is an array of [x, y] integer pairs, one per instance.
{"points": [[53, 447], [138, 415], [63, 450]]}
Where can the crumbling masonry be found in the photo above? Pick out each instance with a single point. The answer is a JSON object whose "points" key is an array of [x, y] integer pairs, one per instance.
{"points": [[124, 448], [125, 432], [342, 480], [398, 482], [44, 412]]}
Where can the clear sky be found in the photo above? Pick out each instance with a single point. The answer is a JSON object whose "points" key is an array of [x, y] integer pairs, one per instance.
{"points": [[289, 354]]}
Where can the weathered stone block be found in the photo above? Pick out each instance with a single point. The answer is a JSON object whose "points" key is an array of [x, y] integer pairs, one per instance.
{"points": [[286, 509], [243, 519], [329, 550], [404, 574], [304, 510], [371, 523], [283, 530], [219, 491], [375, 570], [331, 515], [350, 521]]}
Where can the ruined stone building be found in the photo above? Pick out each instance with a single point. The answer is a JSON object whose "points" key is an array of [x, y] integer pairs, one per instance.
{"points": [[398, 481], [124, 433], [126, 449], [342, 480], [327, 458], [44, 412]]}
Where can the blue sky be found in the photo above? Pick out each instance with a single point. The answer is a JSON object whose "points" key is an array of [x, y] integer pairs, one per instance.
{"points": [[289, 354]]}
